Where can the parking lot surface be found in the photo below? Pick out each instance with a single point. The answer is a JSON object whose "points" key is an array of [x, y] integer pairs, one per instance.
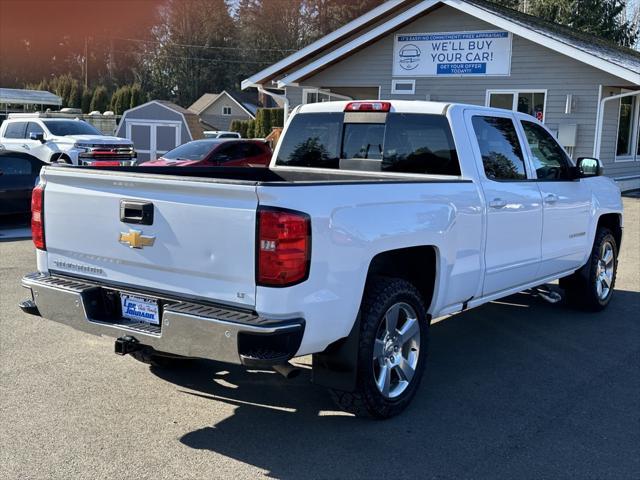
{"points": [[515, 389]]}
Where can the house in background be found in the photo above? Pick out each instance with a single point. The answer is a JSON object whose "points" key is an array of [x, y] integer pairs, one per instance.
{"points": [[585, 90], [158, 126], [220, 109]]}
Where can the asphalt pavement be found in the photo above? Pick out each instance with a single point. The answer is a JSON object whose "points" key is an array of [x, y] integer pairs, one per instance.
{"points": [[515, 389]]}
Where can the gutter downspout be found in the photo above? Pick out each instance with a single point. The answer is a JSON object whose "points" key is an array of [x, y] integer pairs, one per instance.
{"points": [[597, 145], [283, 98]]}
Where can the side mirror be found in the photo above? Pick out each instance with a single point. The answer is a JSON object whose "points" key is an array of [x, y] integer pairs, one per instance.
{"points": [[588, 167], [37, 136]]}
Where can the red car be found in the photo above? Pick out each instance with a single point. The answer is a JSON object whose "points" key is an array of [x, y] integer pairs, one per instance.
{"points": [[216, 152]]}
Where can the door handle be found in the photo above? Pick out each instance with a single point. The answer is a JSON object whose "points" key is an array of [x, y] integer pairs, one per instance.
{"points": [[497, 203], [24, 145], [551, 198]]}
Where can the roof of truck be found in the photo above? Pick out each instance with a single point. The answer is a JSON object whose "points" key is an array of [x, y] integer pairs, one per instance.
{"points": [[403, 106]]}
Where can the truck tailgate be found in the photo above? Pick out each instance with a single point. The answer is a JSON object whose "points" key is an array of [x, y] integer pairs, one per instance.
{"points": [[203, 233]]}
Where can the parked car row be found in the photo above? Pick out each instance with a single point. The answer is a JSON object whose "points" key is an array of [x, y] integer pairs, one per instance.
{"points": [[76, 142], [28, 142]]}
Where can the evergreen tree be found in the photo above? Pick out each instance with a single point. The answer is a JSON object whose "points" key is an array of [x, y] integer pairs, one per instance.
{"points": [[75, 95], [100, 99], [85, 102]]}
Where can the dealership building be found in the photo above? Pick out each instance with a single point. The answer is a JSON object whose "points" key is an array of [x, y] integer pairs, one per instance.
{"points": [[586, 91]]}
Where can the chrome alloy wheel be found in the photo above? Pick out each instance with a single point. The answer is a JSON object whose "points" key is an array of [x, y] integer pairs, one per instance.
{"points": [[396, 350], [604, 270]]}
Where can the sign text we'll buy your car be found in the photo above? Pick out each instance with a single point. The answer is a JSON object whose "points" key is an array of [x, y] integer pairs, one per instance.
{"points": [[452, 53]]}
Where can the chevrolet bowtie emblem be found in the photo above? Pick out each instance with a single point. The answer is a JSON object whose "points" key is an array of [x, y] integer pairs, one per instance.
{"points": [[135, 239]]}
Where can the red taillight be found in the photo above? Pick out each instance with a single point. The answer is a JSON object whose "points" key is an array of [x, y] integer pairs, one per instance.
{"points": [[368, 107], [37, 217], [284, 247]]}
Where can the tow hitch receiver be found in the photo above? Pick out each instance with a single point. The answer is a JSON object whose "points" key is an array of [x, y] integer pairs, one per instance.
{"points": [[127, 344]]}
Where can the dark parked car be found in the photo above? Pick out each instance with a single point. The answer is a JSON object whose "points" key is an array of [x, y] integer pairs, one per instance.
{"points": [[18, 175], [216, 152]]}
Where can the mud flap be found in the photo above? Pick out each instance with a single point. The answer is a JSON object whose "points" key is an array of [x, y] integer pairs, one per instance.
{"points": [[337, 366]]}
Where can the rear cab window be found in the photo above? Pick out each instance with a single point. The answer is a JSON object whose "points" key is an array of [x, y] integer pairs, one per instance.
{"points": [[413, 143]]}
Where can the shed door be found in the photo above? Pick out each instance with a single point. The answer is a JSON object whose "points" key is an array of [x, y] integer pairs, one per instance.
{"points": [[153, 139]]}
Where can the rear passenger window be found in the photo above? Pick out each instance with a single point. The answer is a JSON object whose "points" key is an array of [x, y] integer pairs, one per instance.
{"points": [[15, 130], [500, 148]]}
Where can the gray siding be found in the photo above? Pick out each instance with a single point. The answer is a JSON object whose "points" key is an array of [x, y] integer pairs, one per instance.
{"points": [[213, 115], [532, 67]]}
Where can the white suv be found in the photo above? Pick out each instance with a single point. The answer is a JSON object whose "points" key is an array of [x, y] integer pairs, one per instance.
{"points": [[65, 141]]}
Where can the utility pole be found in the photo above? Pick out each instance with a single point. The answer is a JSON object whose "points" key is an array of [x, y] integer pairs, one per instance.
{"points": [[86, 63]]}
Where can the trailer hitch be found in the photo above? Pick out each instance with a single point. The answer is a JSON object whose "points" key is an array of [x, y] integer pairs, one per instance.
{"points": [[127, 344]]}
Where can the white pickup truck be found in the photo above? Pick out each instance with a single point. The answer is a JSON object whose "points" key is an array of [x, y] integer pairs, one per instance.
{"points": [[64, 140], [373, 218]]}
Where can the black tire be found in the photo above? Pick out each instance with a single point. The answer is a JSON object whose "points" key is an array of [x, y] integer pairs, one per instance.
{"points": [[367, 400], [581, 288], [154, 358]]}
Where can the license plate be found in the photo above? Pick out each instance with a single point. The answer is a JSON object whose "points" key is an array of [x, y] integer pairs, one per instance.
{"points": [[140, 309]]}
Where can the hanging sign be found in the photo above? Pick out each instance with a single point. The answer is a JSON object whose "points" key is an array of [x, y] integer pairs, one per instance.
{"points": [[482, 53]]}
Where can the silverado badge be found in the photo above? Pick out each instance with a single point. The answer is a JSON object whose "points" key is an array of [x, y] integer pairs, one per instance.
{"points": [[135, 239]]}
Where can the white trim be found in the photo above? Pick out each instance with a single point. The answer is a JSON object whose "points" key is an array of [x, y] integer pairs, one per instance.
{"points": [[515, 93], [394, 87], [635, 130], [597, 145], [224, 92], [478, 12], [320, 44]]}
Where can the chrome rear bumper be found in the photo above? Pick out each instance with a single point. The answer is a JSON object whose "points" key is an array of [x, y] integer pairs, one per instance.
{"points": [[187, 328]]}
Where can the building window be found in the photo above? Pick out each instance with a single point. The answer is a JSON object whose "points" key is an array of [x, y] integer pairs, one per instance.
{"points": [[628, 128], [403, 87], [226, 110], [531, 102], [317, 95]]}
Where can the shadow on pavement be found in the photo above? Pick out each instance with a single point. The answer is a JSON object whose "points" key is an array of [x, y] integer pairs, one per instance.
{"points": [[15, 227], [517, 388]]}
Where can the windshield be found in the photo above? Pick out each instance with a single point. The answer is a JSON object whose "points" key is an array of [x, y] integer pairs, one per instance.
{"points": [[397, 142], [71, 127], [196, 150]]}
